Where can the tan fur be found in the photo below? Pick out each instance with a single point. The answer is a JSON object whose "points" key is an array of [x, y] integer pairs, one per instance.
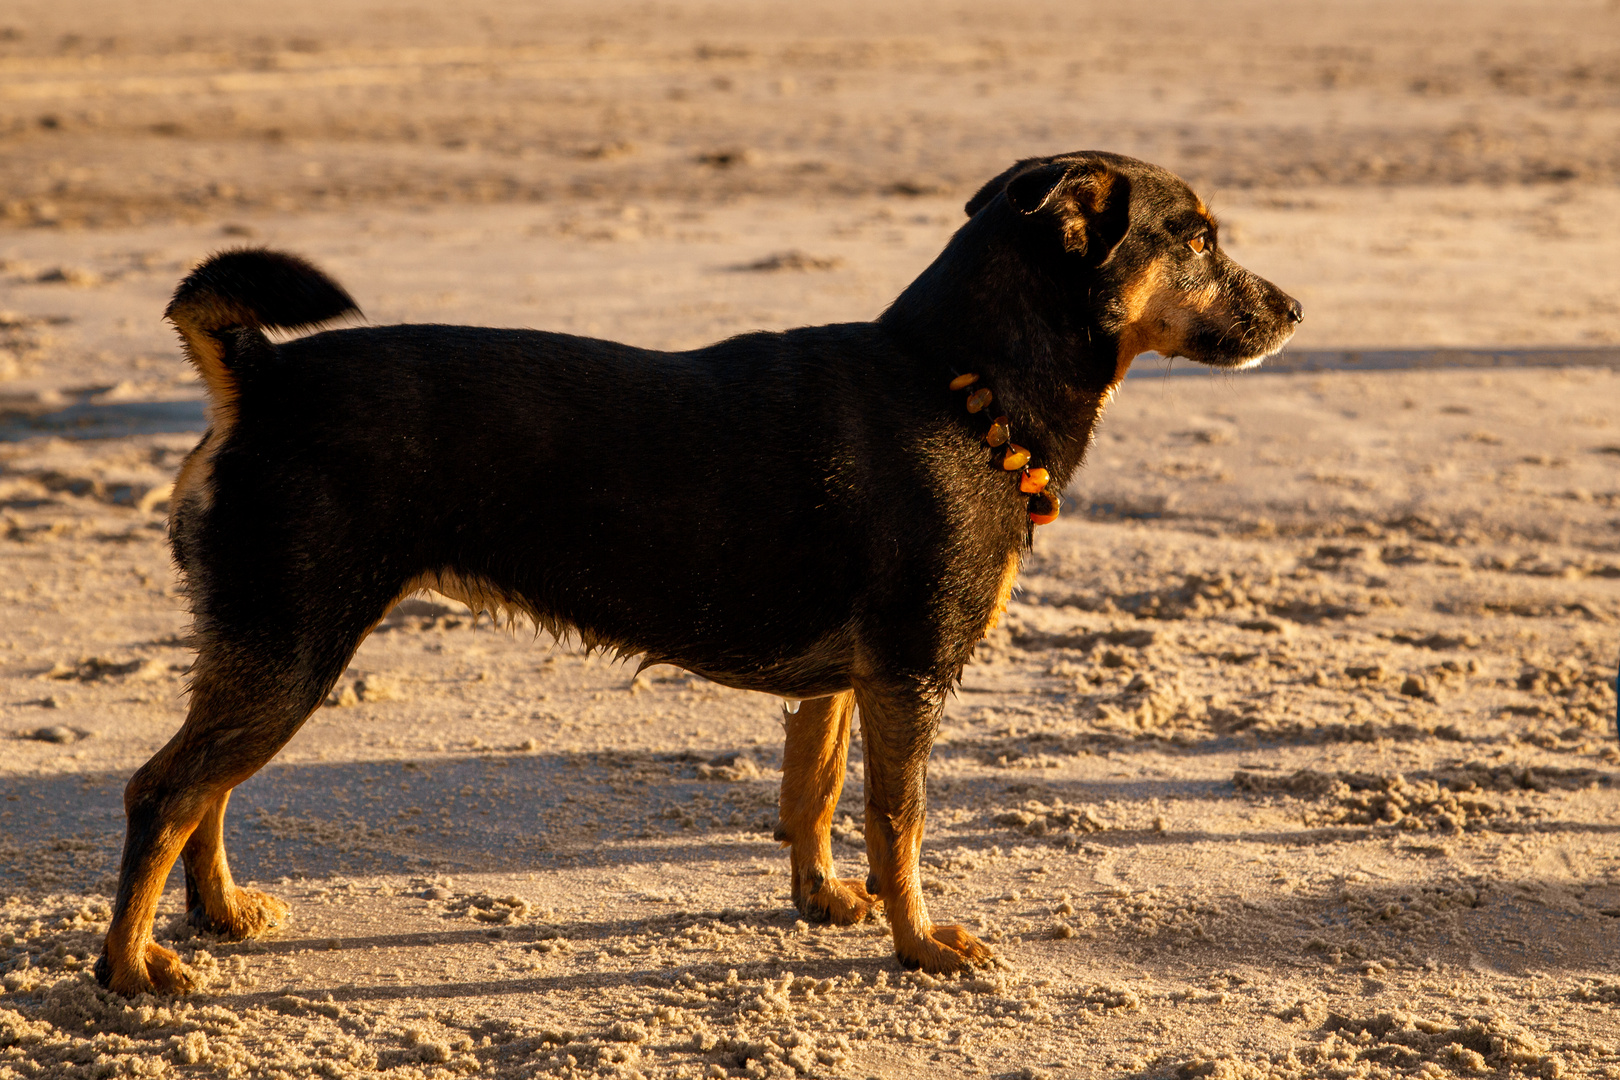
{"points": [[894, 832], [1009, 578], [228, 909], [1080, 202], [484, 596], [813, 762], [195, 481], [194, 318], [1141, 300], [936, 948], [1158, 316], [138, 963], [192, 825]]}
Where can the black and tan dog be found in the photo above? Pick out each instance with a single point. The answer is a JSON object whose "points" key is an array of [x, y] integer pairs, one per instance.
{"points": [[834, 514]]}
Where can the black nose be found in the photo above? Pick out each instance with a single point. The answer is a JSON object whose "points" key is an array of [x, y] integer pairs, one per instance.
{"points": [[1295, 312]]}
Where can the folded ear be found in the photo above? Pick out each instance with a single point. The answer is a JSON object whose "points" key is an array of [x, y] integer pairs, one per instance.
{"points": [[999, 184], [1030, 190], [1089, 201]]}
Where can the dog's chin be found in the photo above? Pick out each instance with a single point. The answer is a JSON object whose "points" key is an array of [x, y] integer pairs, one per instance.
{"points": [[1240, 362], [1244, 364]]}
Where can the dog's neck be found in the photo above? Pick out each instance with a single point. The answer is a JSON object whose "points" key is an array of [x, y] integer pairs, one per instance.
{"points": [[984, 307]]}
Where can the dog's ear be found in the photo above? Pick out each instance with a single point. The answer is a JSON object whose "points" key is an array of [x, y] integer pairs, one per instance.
{"points": [[1030, 190], [1089, 201], [999, 184]]}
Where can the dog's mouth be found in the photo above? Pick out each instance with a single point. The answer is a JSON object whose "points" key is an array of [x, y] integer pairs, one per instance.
{"points": [[1248, 340], [1253, 359], [1232, 351]]}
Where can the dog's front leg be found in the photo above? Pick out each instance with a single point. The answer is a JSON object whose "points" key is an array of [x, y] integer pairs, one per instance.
{"points": [[813, 762], [898, 726], [215, 903]]}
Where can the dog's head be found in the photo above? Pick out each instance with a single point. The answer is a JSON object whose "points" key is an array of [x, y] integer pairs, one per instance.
{"points": [[1135, 242]]}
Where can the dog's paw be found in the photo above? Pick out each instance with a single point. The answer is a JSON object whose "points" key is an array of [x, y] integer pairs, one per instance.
{"points": [[840, 901], [945, 949], [159, 972], [251, 914]]}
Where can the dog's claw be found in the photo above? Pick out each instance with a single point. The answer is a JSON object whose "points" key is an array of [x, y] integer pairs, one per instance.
{"points": [[945, 949], [160, 972], [253, 914], [839, 901]]}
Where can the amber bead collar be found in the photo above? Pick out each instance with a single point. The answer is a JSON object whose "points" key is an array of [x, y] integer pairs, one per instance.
{"points": [[1032, 481]]}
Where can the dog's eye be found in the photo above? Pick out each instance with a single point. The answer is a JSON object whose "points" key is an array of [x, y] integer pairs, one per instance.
{"points": [[1197, 244]]}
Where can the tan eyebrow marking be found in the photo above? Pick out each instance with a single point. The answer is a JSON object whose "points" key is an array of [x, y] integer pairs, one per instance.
{"points": [[1204, 212]]}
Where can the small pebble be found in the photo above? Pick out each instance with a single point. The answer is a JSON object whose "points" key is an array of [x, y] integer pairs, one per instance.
{"points": [[56, 733]]}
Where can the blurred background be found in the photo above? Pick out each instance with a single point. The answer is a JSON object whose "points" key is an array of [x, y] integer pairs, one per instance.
{"points": [[1420, 174], [117, 112]]}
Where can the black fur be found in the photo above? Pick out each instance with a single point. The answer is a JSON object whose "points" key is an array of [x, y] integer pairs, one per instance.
{"points": [[270, 288]]}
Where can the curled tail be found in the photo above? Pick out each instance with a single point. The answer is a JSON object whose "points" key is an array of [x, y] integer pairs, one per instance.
{"points": [[222, 306]]}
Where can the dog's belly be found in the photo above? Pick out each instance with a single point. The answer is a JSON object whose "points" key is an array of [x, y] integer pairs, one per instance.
{"points": [[816, 669]]}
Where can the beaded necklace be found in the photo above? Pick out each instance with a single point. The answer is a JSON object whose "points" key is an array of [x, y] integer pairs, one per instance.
{"points": [[1043, 504]]}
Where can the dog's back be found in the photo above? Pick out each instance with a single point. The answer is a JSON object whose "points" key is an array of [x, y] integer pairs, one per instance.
{"points": [[562, 478]]}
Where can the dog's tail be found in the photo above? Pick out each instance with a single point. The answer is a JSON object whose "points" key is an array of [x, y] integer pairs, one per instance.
{"points": [[243, 292]]}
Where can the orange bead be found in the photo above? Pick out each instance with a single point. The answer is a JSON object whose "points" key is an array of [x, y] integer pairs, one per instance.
{"points": [[978, 399], [1015, 458], [1033, 481], [999, 432], [1043, 508], [962, 382]]}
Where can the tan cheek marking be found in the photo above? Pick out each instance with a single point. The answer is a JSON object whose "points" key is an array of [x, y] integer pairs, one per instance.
{"points": [[1211, 303], [1142, 297], [1159, 318], [1206, 299], [1009, 578], [1140, 293]]}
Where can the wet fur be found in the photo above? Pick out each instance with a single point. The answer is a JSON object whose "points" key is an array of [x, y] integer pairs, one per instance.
{"points": [[810, 514]]}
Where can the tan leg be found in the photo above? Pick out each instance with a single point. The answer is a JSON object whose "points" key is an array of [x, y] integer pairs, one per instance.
{"points": [[131, 962], [214, 902], [240, 715], [813, 763], [898, 729]]}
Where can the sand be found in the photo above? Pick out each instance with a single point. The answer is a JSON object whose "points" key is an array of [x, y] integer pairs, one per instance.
{"points": [[1294, 756]]}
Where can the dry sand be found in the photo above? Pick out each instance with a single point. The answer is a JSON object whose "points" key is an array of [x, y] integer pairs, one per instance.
{"points": [[1294, 756]]}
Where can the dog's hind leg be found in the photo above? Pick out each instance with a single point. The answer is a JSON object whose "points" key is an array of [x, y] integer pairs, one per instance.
{"points": [[898, 725], [813, 760], [251, 691]]}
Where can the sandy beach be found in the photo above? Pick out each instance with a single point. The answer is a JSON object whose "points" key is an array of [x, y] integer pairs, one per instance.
{"points": [[1294, 756]]}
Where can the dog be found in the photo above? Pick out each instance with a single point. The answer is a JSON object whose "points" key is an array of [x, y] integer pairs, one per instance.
{"points": [[834, 514]]}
